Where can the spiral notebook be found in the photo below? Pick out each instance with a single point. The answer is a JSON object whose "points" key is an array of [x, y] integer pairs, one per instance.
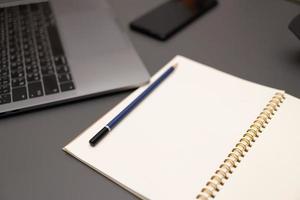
{"points": [[201, 134]]}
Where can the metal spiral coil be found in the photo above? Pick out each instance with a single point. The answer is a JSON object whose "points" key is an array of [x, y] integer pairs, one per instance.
{"points": [[240, 149]]}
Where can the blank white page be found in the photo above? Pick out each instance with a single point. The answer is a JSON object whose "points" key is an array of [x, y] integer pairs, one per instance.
{"points": [[271, 169], [170, 145]]}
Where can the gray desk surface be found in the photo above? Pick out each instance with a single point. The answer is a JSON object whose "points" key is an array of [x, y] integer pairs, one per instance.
{"points": [[246, 38]]}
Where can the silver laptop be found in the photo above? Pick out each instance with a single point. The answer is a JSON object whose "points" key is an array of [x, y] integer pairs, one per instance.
{"points": [[62, 50]]}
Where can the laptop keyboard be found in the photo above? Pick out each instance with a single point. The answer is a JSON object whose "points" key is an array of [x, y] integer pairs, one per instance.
{"points": [[32, 60]]}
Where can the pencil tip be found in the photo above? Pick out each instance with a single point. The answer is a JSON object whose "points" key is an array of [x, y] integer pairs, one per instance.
{"points": [[175, 65]]}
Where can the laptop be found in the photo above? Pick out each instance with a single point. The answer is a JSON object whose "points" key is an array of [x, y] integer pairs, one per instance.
{"points": [[62, 50]]}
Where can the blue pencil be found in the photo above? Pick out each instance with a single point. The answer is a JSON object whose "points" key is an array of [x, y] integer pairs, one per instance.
{"points": [[105, 130]]}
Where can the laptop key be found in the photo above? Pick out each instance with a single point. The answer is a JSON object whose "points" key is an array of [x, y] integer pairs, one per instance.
{"points": [[17, 73], [4, 72], [17, 82], [19, 94], [33, 77], [60, 69], [16, 65], [59, 60], [34, 7], [50, 84], [67, 86], [35, 89], [47, 70], [23, 8], [64, 77], [4, 80], [32, 69], [5, 98], [4, 89]]}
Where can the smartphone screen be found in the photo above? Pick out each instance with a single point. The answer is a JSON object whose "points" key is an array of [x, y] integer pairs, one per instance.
{"points": [[167, 19]]}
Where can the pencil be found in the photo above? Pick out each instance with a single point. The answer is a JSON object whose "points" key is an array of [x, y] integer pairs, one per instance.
{"points": [[106, 129]]}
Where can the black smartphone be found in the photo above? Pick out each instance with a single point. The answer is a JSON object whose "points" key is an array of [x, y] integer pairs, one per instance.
{"points": [[165, 20]]}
